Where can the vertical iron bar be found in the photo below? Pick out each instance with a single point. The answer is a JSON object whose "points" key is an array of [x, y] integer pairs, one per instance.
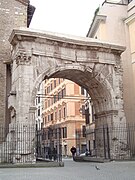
{"points": [[108, 142], [128, 140], [36, 142], [58, 143], [95, 131], [59, 146], [60, 152], [104, 142]]}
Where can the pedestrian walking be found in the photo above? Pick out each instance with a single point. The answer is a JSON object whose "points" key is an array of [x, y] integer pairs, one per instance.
{"points": [[73, 151], [54, 154]]}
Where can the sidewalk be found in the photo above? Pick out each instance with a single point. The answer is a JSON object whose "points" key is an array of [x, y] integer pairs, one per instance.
{"points": [[74, 171], [90, 159], [34, 165]]}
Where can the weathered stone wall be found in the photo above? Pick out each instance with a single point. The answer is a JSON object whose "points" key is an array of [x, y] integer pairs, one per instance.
{"points": [[13, 14], [94, 65]]}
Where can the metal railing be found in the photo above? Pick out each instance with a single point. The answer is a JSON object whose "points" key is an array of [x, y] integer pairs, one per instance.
{"points": [[48, 144], [108, 142], [24, 143]]}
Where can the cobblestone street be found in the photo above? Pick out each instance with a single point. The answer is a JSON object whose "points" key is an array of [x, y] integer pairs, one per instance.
{"points": [[74, 171]]}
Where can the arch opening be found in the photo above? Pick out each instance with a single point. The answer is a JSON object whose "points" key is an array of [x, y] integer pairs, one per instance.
{"points": [[101, 93]]}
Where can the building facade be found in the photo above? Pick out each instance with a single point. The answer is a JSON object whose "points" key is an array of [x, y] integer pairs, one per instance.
{"points": [[119, 29], [62, 103], [14, 14], [39, 103]]}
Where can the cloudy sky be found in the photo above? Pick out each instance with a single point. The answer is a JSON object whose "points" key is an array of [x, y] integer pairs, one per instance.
{"points": [[64, 16]]}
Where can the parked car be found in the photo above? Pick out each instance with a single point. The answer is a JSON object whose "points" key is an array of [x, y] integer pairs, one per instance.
{"points": [[87, 153]]}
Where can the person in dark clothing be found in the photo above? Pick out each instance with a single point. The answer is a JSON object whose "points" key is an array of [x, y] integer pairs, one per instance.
{"points": [[73, 151], [88, 153], [54, 154]]}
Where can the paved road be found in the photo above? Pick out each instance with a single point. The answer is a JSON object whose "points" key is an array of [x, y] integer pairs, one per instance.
{"points": [[74, 171]]}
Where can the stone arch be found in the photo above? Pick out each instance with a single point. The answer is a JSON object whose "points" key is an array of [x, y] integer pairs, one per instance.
{"points": [[92, 64]]}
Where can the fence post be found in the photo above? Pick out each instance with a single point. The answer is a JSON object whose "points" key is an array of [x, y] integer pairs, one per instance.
{"points": [[36, 141], [59, 146], [95, 137], [104, 141], [129, 131], [108, 142]]}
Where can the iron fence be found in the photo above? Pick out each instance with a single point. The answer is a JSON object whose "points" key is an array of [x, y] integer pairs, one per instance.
{"points": [[80, 141], [24, 143], [117, 142], [48, 144], [17, 143]]}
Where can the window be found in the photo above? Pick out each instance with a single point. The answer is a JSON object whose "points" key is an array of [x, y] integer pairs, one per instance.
{"points": [[64, 132], [59, 80], [39, 112], [55, 115], [63, 92], [41, 125], [51, 86], [64, 112], [51, 101], [59, 95], [48, 117], [38, 99], [43, 135], [83, 110], [55, 83], [87, 116], [84, 131], [45, 120], [50, 133], [93, 114], [45, 91], [52, 117], [48, 89], [48, 102], [55, 98], [60, 114], [82, 91], [59, 132]]}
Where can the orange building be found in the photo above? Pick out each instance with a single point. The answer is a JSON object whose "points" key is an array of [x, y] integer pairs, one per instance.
{"points": [[62, 104]]}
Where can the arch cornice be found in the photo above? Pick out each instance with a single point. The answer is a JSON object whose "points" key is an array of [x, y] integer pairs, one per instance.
{"points": [[84, 43]]}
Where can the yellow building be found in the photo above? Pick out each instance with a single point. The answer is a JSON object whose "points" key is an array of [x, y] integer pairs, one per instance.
{"points": [[114, 22], [62, 103]]}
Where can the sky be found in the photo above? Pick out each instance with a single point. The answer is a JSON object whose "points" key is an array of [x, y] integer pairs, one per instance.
{"points": [[64, 16]]}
